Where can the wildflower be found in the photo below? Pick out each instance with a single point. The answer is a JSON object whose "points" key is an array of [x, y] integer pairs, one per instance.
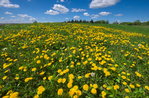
{"points": [[93, 91], [71, 76], [138, 85], [125, 83], [34, 69], [146, 87], [69, 85], [60, 91], [63, 80], [41, 73], [38, 62], [28, 79], [36, 96], [75, 96], [85, 87], [123, 77], [132, 86], [50, 77], [14, 95], [92, 74], [40, 90], [95, 86], [127, 90], [103, 93], [5, 97], [79, 77], [4, 77], [138, 74], [116, 87]]}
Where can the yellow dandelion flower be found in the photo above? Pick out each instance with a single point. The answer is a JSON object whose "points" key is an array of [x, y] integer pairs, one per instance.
{"points": [[146, 87], [116, 87], [50, 77], [60, 91], [14, 95], [38, 62], [95, 86], [103, 93], [85, 87], [127, 90], [69, 85], [132, 86], [40, 90], [34, 69], [93, 91]]}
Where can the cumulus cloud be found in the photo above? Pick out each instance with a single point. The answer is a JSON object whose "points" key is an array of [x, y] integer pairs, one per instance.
{"points": [[104, 13], [76, 17], [60, 8], [8, 4], [1, 18], [77, 10], [94, 16], [102, 3], [67, 18], [86, 14], [61, 0], [30, 18], [119, 15], [8, 13], [57, 9], [13, 16], [52, 12]]}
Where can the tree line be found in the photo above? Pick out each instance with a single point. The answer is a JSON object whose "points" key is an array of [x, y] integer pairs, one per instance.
{"points": [[137, 22]]}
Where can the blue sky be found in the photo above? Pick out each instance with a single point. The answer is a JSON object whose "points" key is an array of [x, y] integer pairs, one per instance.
{"points": [[12, 11]]}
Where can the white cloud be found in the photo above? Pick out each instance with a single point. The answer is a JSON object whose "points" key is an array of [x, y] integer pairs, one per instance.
{"points": [[60, 8], [67, 18], [8, 4], [95, 16], [77, 10], [119, 15], [13, 16], [1, 18], [61, 0], [52, 12], [76, 17], [102, 3], [104, 13], [86, 14], [8, 13], [30, 18]]}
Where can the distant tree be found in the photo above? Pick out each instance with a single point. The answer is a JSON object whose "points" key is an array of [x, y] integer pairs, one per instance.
{"points": [[116, 22], [91, 21], [80, 21], [72, 21], [35, 21], [102, 21], [146, 23], [137, 22]]}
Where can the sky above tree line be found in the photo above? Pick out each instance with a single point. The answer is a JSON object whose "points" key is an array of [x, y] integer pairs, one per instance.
{"points": [[26, 11]]}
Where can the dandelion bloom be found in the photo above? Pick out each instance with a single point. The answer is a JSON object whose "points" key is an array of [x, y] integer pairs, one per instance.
{"points": [[85, 87], [116, 87], [60, 91], [40, 90], [93, 91]]}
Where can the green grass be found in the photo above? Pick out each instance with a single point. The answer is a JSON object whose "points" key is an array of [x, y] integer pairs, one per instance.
{"points": [[81, 59], [139, 29]]}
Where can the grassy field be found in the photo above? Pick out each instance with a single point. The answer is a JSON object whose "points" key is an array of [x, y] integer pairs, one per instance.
{"points": [[64, 60], [129, 28]]}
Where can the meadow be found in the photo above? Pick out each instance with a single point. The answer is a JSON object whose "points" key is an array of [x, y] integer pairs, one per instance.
{"points": [[67, 60]]}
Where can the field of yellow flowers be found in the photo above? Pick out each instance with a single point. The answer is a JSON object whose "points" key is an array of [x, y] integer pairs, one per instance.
{"points": [[65, 60]]}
